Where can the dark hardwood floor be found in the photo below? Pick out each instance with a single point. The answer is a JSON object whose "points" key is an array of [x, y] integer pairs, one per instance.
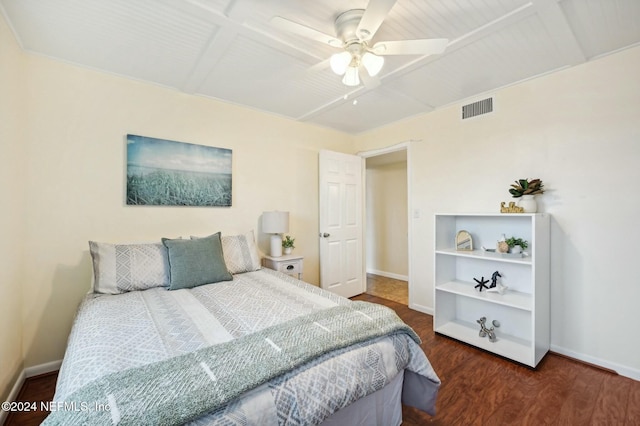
{"points": [[478, 388], [34, 390]]}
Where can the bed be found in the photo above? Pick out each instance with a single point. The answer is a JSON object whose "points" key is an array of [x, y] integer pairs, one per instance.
{"points": [[164, 339]]}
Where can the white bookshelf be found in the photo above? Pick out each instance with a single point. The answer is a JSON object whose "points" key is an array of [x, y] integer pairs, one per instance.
{"points": [[523, 310]]}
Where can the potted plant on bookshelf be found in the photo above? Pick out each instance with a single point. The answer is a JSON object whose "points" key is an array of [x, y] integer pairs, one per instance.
{"points": [[517, 245], [287, 244], [526, 190]]}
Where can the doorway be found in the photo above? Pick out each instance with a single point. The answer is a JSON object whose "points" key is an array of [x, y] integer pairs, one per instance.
{"points": [[387, 224]]}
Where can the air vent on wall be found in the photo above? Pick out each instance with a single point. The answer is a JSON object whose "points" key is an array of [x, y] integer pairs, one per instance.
{"points": [[477, 108]]}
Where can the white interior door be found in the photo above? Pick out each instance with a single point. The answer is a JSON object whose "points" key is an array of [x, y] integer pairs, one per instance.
{"points": [[341, 227]]}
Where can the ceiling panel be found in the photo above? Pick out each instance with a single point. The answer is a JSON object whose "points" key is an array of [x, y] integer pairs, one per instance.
{"points": [[603, 26], [512, 54], [443, 18], [143, 39], [262, 77], [367, 113]]}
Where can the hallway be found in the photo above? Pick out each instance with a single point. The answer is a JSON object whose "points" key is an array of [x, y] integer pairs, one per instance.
{"points": [[388, 288]]}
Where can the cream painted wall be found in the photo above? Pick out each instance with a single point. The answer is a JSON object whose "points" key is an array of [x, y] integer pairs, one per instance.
{"points": [[12, 177], [579, 131], [75, 145], [387, 239]]}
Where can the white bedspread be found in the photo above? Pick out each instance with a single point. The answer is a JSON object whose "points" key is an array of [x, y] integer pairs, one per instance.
{"points": [[117, 332]]}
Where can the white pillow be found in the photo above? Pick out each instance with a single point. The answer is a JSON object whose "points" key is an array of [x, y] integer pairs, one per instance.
{"points": [[240, 253], [119, 268]]}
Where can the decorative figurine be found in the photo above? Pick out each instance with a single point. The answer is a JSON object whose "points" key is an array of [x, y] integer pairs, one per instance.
{"points": [[484, 331], [495, 286], [512, 208], [494, 279], [498, 289], [481, 284], [502, 246]]}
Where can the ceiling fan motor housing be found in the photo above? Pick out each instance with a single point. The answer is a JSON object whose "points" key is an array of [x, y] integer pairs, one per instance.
{"points": [[347, 25], [355, 44]]}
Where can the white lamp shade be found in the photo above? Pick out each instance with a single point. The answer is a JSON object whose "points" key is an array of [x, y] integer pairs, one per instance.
{"points": [[351, 77], [275, 222], [373, 63], [339, 62]]}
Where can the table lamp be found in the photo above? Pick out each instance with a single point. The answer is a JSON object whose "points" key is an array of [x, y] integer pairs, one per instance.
{"points": [[275, 223]]}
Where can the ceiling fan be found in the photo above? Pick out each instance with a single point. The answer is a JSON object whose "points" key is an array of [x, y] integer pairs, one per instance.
{"points": [[355, 30]]}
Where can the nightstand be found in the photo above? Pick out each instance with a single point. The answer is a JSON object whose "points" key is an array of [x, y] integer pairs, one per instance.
{"points": [[287, 264]]}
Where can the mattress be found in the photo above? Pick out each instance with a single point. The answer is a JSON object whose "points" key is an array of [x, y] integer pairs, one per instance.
{"points": [[124, 332]]}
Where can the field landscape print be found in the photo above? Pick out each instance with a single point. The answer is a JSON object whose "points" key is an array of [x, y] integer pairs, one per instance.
{"points": [[168, 173]]}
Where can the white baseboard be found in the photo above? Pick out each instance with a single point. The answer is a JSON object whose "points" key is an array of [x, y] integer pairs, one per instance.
{"points": [[388, 274], [13, 395], [622, 370], [421, 308], [36, 370], [48, 367]]}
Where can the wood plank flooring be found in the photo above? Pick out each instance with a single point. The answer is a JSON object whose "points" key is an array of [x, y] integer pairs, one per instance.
{"points": [[388, 288], [479, 388], [35, 389]]}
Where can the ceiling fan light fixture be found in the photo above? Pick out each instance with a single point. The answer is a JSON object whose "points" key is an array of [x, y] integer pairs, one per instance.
{"points": [[351, 77], [340, 62], [354, 31], [373, 63]]}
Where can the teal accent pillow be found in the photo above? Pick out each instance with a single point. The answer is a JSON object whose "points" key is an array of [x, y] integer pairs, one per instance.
{"points": [[196, 262]]}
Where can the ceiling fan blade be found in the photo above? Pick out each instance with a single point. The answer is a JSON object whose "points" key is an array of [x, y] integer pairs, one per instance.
{"points": [[372, 18], [304, 31], [424, 47], [368, 81]]}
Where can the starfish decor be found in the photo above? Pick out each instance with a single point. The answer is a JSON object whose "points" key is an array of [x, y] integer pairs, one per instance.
{"points": [[481, 284]]}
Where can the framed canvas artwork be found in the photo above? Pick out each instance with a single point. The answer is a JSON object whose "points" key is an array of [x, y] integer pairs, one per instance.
{"points": [[161, 172]]}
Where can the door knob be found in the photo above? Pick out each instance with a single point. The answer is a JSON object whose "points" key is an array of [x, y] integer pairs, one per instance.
{"points": [[325, 235]]}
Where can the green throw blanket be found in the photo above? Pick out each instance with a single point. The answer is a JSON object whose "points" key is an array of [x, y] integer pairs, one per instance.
{"points": [[180, 389]]}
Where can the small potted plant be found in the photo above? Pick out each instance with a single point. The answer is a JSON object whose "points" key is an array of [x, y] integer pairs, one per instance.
{"points": [[526, 187], [287, 244], [517, 245], [525, 190]]}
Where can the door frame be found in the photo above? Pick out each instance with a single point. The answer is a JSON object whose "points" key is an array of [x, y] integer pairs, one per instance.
{"points": [[402, 146]]}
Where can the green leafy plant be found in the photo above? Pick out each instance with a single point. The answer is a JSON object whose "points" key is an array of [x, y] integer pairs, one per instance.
{"points": [[288, 242], [526, 187], [513, 241]]}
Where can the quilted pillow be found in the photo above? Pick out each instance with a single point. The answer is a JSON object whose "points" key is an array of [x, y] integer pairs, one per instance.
{"points": [[119, 268], [240, 253], [196, 262]]}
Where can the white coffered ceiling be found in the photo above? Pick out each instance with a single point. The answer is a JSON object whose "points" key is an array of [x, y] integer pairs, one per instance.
{"points": [[228, 49]]}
